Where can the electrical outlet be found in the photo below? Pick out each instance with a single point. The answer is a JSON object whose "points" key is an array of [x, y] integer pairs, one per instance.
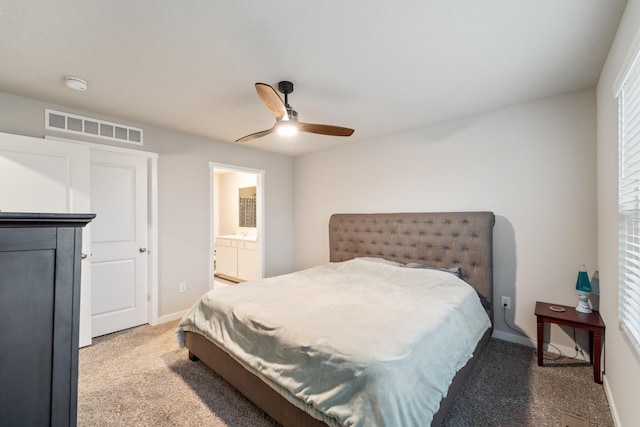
{"points": [[506, 303], [183, 287]]}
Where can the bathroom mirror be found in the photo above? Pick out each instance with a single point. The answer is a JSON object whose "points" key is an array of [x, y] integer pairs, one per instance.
{"points": [[247, 211]]}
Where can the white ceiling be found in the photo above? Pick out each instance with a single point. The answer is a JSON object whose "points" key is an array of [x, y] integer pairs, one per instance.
{"points": [[377, 66]]}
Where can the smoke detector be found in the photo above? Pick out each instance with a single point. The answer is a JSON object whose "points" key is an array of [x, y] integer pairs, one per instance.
{"points": [[75, 83]]}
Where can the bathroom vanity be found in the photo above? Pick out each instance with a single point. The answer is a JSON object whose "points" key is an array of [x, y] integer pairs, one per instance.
{"points": [[237, 257]]}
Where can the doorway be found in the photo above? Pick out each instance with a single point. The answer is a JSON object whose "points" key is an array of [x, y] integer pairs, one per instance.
{"points": [[232, 217]]}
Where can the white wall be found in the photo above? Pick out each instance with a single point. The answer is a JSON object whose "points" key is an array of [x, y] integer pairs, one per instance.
{"points": [[622, 364], [532, 164], [184, 196]]}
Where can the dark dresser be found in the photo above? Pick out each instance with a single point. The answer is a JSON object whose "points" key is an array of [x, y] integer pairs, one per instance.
{"points": [[40, 257]]}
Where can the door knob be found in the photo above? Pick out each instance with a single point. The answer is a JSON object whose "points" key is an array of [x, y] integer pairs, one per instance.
{"points": [[83, 256], [142, 250]]}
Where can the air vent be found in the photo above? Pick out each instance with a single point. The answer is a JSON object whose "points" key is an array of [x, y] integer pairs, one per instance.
{"points": [[79, 125]]}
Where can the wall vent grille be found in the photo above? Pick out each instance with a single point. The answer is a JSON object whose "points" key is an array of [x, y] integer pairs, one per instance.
{"points": [[79, 125]]}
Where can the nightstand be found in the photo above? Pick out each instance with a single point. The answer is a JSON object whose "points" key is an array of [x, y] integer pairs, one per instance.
{"points": [[591, 322]]}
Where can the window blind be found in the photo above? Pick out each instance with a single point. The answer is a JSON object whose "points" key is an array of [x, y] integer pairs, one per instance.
{"points": [[629, 205]]}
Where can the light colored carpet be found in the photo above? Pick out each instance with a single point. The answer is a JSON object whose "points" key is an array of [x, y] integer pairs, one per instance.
{"points": [[508, 388], [140, 377]]}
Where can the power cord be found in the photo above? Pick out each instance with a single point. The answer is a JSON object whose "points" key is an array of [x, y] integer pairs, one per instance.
{"points": [[560, 353]]}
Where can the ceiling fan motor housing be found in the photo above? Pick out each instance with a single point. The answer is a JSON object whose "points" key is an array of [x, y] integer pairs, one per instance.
{"points": [[285, 87]]}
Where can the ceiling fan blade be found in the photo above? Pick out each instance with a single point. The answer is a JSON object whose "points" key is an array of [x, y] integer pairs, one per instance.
{"points": [[325, 129], [272, 100], [256, 135]]}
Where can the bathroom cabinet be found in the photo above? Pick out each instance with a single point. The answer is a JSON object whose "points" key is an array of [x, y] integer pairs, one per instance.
{"points": [[237, 258]]}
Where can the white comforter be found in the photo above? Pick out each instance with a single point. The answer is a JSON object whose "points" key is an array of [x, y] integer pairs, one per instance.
{"points": [[355, 343]]}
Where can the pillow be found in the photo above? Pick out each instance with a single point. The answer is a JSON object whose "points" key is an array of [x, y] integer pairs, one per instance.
{"points": [[381, 261], [456, 271]]}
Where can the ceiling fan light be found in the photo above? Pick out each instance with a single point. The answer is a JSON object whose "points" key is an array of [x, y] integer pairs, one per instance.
{"points": [[287, 129]]}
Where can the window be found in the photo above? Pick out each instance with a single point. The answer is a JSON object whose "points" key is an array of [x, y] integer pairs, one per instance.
{"points": [[629, 204]]}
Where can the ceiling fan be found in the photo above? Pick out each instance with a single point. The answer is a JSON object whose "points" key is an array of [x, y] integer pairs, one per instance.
{"points": [[286, 117]]}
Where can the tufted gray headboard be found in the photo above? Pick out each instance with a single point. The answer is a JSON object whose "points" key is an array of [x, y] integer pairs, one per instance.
{"points": [[441, 239]]}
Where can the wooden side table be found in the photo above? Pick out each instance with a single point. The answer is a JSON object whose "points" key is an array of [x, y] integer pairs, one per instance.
{"points": [[591, 322]]}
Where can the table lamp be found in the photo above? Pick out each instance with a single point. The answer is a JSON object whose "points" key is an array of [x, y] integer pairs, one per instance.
{"points": [[584, 289]]}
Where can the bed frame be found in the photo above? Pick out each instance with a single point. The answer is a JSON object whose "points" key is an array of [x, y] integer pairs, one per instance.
{"points": [[443, 239]]}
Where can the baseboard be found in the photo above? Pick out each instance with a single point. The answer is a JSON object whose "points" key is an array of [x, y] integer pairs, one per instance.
{"points": [[612, 405], [529, 342], [173, 316], [518, 339]]}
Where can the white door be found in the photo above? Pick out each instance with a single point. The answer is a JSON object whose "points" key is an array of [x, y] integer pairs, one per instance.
{"points": [[38, 175], [118, 241]]}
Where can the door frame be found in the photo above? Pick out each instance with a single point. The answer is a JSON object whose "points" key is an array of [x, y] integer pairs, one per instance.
{"points": [[260, 203], [152, 215]]}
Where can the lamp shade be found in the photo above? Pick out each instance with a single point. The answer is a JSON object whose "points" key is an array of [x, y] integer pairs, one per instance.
{"points": [[582, 284]]}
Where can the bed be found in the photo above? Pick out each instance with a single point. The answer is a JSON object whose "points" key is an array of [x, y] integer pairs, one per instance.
{"points": [[458, 242]]}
